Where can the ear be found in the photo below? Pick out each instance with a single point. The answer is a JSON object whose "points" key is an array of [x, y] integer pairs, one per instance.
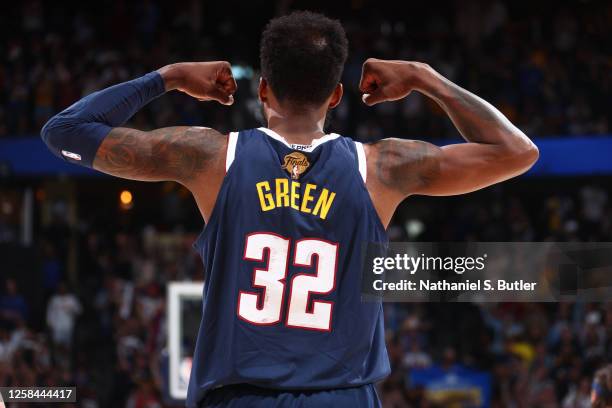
{"points": [[262, 91], [336, 96]]}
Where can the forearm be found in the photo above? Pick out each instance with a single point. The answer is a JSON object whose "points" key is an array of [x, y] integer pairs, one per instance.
{"points": [[477, 120], [76, 133]]}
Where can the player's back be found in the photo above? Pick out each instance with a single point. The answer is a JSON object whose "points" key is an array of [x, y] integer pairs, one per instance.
{"points": [[282, 253]]}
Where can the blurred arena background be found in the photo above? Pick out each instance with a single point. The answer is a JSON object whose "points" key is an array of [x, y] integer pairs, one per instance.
{"points": [[85, 259]]}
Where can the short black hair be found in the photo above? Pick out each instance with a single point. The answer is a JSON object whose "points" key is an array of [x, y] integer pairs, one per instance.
{"points": [[302, 56]]}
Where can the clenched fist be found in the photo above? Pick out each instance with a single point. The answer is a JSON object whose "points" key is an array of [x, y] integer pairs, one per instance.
{"points": [[206, 81], [383, 80]]}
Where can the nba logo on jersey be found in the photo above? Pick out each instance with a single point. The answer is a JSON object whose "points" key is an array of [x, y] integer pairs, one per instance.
{"points": [[295, 163]]}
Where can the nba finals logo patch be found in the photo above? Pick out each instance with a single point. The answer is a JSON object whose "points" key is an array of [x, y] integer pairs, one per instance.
{"points": [[295, 163]]}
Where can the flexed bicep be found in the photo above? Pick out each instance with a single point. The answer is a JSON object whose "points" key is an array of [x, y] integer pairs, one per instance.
{"points": [[467, 167], [177, 153], [408, 167], [495, 149], [90, 129], [400, 168]]}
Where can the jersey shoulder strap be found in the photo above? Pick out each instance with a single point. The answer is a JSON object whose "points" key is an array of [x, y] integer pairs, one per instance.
{"points": [[232, 142], [236, 142], [358, 154], [361, 160]]}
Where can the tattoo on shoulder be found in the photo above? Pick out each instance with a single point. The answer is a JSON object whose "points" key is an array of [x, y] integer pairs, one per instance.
{"points": [[174, 153], [406, 165]]}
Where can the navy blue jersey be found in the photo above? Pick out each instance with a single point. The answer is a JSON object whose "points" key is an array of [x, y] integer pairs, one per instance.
{"points": [[282, 253]]}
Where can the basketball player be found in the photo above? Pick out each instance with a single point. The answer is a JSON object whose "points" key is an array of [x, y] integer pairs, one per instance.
{"points": [[288, 207]]}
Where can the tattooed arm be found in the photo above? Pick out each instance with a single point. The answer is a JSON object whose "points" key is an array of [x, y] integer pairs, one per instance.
{"points": [[174, 153], [89, 133], [192, 156], [495, 151]]}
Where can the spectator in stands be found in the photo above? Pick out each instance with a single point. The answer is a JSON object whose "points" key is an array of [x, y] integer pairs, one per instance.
{"points": [[62, 311], [13, 307], [7, 346], [578, 396], [601, 390]]}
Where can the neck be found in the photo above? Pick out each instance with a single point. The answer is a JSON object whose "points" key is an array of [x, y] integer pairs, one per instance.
{"points": [[298, 128]]}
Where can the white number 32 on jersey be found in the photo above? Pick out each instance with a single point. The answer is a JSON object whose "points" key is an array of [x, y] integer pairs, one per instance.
{"points": [[265, 308]]}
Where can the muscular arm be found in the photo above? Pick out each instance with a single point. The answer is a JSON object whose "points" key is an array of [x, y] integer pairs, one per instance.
{"points": [[495, 151], [175, 153], [89, 133], [192, 156]]}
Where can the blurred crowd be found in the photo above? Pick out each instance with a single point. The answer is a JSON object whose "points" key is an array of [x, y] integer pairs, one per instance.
{"points": [[107, 334], [545, 66]]}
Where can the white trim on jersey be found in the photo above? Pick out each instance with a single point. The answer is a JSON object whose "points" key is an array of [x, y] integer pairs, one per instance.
{"points": [[231, 149], [315, 142], [361, 158]]}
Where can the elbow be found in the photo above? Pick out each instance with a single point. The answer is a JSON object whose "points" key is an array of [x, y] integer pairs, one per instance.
{"points": [[49, 131], [58, 134], [525, 157], [72, 138], [516, 155], [532, 154], [45, 132]]}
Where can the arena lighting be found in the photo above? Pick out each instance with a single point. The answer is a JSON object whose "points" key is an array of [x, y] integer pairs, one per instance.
{"points": [[7, 208], [242, 72], [126, 199]]}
